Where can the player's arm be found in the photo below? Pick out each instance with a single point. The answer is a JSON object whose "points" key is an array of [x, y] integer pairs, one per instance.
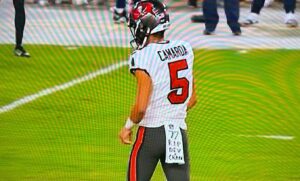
{"points": [[144, 89], [193, 99]]}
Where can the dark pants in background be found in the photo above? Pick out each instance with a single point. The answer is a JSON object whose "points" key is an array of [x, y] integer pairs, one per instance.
{"points": [[232, 11], [289, 6], [19, 21], [122, 3]]}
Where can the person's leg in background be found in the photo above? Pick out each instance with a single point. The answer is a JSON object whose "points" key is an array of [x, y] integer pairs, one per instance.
{"points": [[257, 5], [211, 16], [290, 18], [232, 11], [120, 15], [19, 26], [252, 18], [192, 3], [196, 18]]}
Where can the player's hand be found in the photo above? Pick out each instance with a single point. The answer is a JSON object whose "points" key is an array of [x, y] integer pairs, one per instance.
{"points": [[125, 136]]}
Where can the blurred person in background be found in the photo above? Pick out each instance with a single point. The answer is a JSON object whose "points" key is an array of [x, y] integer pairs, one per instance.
{"points": [[120, 12], [257, 5], [19, 26], [232, 11]]}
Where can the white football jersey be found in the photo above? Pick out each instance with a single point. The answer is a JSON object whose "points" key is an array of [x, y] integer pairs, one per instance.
{"points": [[170, 65]]}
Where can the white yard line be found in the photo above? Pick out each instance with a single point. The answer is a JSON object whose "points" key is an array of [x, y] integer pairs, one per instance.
{"points": [[276, 137], [51, 90]]}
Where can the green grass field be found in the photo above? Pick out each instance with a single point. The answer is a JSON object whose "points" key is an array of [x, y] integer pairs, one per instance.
{"points": [[72, 134]]}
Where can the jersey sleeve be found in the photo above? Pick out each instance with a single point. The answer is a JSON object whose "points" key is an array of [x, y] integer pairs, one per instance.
{"points": [[137, 62], [190, 55]]}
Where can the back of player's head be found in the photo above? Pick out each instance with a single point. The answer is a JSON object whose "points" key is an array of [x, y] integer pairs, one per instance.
{"points": [[147, 17]]}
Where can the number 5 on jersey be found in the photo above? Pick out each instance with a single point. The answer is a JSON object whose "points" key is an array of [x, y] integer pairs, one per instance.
{"points": [[177, 83]]}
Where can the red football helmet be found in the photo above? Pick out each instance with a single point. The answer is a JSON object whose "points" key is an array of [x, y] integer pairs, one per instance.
{"points": [[147, 17]]}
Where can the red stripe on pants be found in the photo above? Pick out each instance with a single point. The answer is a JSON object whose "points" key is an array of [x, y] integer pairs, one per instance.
{"points": [[138, 143]]}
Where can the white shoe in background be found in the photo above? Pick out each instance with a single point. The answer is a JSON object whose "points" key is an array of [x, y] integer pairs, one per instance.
{"points": [[80, 2], [58, 1], [43, 2], [251, 19], [290, 20], [268, 3]]}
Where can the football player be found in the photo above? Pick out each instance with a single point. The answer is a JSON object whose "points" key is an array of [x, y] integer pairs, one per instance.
{"points": [[165, 91], [257, 5]]}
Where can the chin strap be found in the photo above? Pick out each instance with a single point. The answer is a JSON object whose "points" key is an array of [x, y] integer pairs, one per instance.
{"points": [[146, 38]]}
